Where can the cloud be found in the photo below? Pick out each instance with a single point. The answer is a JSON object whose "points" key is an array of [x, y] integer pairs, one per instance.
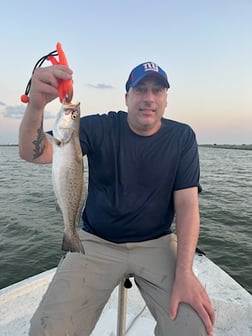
{"points": [[100, 86], [14, 112], [17, 112]]}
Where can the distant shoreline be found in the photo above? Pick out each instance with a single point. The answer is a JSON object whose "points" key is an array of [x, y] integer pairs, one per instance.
{"points": [[240, 147]]}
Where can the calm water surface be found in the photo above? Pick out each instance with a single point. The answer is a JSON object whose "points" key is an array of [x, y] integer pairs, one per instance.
{"points": [[31, 230]]}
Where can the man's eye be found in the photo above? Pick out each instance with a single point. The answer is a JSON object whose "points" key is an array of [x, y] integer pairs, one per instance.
{"points": [[157, 89], [140, 89]]}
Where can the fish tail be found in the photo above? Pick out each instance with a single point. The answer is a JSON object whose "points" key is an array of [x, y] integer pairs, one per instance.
{"points": [[72, 243]]}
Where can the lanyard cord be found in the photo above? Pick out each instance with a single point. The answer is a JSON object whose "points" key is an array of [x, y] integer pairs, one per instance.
{"points": [[25, 97]]}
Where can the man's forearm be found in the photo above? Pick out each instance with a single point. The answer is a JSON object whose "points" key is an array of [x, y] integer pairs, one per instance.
{"points": [[187, 227], [32, 139]]}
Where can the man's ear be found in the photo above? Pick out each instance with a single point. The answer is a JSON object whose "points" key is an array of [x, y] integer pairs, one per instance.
{"points": [[126, 98]]}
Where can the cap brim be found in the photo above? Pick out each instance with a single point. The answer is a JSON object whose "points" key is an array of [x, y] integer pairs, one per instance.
{"points": [[151, 74]]}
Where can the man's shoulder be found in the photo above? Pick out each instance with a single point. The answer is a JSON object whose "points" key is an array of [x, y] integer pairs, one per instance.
{"points": [[176, 125], [103, 123], [106, 116]]}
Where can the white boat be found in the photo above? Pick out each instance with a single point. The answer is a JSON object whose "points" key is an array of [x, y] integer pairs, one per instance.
{"points": [[232, 303]]}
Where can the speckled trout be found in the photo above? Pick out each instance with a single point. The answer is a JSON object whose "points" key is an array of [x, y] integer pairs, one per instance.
{"points": [[67, 173]]}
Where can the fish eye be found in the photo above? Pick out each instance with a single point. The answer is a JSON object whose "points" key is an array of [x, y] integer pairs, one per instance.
{"points": [[74, 114]]}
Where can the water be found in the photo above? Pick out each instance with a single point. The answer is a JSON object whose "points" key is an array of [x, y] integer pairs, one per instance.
{"points": [[226, 211], [31, 230]]}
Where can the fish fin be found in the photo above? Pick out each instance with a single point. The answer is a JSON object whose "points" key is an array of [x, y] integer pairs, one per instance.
{"points": [[82, 203], [58, 209], [53, 140], [72, 243]]}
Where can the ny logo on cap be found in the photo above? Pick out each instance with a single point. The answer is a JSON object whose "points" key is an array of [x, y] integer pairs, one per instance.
{"points": [[150, 66]]}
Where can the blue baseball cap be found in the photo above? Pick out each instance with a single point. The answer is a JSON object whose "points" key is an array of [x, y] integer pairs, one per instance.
{"points": [[143, 70]]}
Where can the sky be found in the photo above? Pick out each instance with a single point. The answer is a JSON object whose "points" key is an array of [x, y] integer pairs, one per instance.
{"points": [[205, 46]]}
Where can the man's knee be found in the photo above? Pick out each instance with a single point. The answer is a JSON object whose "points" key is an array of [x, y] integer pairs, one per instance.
{"points": [[187, 323]]}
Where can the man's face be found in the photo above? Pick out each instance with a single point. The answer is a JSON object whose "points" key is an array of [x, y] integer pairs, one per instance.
{"points": [[146, 105]]}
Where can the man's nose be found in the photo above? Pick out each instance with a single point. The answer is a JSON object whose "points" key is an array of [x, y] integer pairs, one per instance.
{"points": [[148, 94]]}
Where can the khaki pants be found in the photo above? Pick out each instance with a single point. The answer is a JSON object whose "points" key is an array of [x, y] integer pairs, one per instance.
{"points": [[83, 283]]}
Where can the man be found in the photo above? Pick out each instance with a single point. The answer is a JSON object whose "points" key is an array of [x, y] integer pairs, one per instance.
{"points": [[143, 170]]}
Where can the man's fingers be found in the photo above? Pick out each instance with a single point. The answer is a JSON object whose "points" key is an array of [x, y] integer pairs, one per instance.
{"points": [[207, 315], [52, 77], [173, 308], [210, 313]]}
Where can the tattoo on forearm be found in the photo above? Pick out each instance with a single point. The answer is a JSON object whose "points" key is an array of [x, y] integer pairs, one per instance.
{"points": [[39, 143]]}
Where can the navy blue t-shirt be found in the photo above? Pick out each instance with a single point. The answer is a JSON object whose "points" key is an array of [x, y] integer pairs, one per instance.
{"points": [[132, 178]]}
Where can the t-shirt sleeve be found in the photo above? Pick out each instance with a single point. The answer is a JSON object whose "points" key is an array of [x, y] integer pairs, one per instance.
{"points": [[188, 172]]}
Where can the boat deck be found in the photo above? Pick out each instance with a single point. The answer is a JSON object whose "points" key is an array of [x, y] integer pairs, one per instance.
{"points": [[232, 303]]}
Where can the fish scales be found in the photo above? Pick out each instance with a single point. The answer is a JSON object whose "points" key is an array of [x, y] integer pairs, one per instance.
{"points": [[67, 173]]}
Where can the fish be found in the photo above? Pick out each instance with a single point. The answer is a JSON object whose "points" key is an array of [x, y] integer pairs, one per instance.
{"points": [[68, 173]]}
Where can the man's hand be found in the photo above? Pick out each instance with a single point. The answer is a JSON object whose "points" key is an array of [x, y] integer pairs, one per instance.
{"points": [[45, 83], [188, 289], [33, 144]]}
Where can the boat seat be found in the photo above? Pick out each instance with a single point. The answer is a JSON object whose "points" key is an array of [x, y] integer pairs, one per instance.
{"points": [[124, 285]]}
